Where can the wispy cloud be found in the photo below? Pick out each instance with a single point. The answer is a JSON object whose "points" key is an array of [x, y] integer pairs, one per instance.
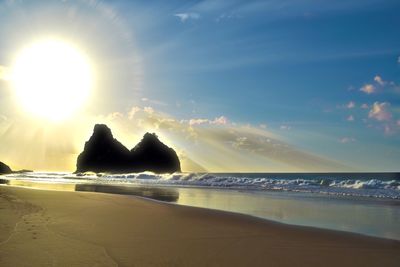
{"points": [[350, 118], [148, 110], [242, 147], [227, 16], [222, 120], [380, 85], [380, 112], [285, 127], [379, 80], [132, 112], [186, 16], [153, 101], [198, 121], [351, 105], [346, 140], [368, 89]]}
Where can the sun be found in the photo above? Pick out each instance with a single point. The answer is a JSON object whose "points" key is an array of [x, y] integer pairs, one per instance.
{"points": [[52, 79]]}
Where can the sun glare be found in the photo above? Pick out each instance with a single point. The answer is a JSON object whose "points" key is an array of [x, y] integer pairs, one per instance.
{"points": [[52, 79]]}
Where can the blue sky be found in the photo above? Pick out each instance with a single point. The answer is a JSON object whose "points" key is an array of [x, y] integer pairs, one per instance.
{"points": [[321, 76]]}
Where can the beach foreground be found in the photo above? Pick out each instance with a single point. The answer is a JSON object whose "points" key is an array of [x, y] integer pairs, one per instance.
{"points": [[57, 228]]}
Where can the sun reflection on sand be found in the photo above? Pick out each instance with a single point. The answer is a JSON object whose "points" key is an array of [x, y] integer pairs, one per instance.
{"points": [[43, 186], [156, 193]]}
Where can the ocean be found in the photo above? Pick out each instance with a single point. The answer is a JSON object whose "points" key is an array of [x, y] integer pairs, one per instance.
{"points": [[363, 203]]}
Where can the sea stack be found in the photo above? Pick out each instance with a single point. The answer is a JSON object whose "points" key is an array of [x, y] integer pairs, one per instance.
{"points": [[103, 153], [4, 169]]}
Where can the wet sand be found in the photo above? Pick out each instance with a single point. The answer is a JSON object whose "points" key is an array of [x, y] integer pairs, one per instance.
{"points": [[57, 228]]}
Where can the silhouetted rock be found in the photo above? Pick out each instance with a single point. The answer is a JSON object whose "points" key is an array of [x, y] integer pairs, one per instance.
{"points": [[4, 169], [103, 153], [152, 155]]}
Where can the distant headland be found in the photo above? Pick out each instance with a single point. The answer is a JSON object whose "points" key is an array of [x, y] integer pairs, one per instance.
{"points": [[104, 153], [4, 169]]}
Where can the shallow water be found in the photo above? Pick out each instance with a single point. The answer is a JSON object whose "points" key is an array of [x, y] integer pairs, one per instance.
{"points": [[375, 217]]}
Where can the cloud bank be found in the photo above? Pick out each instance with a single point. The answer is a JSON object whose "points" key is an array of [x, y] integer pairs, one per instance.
{"points": [[218, 144]]}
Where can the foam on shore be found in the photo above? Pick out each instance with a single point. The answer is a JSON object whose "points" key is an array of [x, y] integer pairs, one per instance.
{"points": [[324, 184]]}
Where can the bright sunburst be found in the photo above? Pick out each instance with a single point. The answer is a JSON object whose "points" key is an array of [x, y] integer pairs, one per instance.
{"points": [[52, 79]]}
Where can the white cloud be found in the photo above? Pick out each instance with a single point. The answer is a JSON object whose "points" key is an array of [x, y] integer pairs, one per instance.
{"points": [[345, 140], [351, 105], [380, 112], [398, 60], [148, 110], [263, 126], [379, 80], [132, 112], [285, 127], [115, 115], [185, 16], [222, 120], [242, 147], [380, 85], [198, 121], [364, 106], [350, 118], [368, 89]]}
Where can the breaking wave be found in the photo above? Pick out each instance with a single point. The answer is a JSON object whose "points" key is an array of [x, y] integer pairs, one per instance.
{"points": [[324, 184]]}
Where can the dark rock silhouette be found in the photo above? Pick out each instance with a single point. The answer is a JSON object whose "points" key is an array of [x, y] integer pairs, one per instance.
{"points": [[4, 169], [103, 153], [152, 155]]}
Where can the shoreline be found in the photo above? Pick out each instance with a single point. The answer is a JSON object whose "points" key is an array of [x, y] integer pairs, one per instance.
{"points": [[290, 208], [42, 227]]}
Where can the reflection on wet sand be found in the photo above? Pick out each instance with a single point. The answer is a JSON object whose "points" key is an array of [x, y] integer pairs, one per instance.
{"points": [[376, 217], [162, 194], [156, 193], [41, 185]]}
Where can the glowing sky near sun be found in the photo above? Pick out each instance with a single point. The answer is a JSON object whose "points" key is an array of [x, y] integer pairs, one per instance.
{"points": [[288, 85], [51, 79]]}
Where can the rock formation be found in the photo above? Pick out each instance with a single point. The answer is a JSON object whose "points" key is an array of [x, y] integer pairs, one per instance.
{"points": [[4, 169], [103, 153]]}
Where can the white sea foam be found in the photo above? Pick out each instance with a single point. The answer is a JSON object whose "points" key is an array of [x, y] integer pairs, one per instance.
{"points": [[327, 185]]}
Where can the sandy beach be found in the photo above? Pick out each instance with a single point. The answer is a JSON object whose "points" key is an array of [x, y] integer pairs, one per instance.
{"points": [[57, 228]]}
